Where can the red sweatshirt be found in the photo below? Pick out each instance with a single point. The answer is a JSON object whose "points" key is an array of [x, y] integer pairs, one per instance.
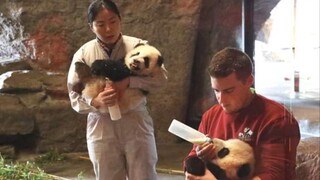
{"points": [[267, 126]]}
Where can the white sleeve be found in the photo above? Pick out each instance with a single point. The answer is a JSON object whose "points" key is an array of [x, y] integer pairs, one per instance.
{"points": [[150, 83], [78, 103]]}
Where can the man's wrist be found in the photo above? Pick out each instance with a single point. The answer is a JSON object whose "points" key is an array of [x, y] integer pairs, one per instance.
{"points": [[256, 178]]}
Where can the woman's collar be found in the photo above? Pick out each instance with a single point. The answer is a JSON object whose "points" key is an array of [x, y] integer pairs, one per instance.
{"points": [[106, 46]]}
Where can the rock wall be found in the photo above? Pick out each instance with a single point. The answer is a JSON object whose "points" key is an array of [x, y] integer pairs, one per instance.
{"points": [[35, 114], [38, 39], [223, 28], [308, 159], [43, 35]]}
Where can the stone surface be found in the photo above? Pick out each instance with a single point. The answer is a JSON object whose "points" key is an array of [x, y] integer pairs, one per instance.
{"points": [[14, 65], [39, 37], [45, 34], [14, 117], [7, 151], [18, 81], [36, 104], [308, 159], [48, 34], [59, 127]]}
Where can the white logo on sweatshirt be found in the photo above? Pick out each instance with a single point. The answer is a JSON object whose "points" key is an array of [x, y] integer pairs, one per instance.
{"points": [[246, 135]]}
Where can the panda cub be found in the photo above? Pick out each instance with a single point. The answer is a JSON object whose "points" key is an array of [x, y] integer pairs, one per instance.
{"points": [[234, 159], [142, 60]]}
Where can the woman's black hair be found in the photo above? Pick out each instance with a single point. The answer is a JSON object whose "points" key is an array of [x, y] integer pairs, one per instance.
{"points": [[97, 5]]}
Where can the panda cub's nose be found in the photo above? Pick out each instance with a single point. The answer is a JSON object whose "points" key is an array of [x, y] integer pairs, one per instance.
{"points": [[135, 64]]}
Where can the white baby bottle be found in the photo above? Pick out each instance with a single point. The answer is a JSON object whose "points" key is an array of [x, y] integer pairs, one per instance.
{"points": [[114, 110]]}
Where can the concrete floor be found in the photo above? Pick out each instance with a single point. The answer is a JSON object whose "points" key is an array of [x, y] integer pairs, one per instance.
{"points": [[169, 166]]}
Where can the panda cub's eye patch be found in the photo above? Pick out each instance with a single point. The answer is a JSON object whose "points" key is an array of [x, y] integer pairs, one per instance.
{"points": [[146, 62], [136, 54], [223, 152]]}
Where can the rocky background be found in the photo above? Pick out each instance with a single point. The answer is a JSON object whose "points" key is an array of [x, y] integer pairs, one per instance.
{"points": [[308, 159], [38, 39]]}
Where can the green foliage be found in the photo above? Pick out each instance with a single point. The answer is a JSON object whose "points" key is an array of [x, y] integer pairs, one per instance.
{"points": [[51, 156], [21, 171], [81, 176], [30, 170]]}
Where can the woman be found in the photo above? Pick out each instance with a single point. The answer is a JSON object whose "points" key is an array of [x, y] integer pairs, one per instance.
{"points": [[126, 147]]}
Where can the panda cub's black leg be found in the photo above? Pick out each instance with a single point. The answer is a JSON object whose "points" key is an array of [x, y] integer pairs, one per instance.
{"points": [[244, 171], [195, 166], [219, 173]]}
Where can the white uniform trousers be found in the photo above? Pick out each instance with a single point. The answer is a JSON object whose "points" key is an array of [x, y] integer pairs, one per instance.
{"points": [[124, 148]]}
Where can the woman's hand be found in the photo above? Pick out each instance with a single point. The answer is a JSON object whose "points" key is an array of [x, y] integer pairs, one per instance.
{"points": [[207, 176], [107, 97], [111, 93]]}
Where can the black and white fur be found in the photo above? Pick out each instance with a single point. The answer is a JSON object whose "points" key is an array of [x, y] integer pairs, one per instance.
{"points": [[143, 60], [234, 159]]}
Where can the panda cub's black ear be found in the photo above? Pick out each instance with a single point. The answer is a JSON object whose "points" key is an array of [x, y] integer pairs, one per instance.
{"points": [[160, 61], [139, 44]]}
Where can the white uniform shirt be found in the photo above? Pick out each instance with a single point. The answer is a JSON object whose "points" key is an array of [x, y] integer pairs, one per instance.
{"points": [[92, 51]]}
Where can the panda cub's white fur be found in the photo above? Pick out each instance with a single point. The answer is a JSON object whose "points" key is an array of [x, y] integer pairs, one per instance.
{"points": [[238, 153]]}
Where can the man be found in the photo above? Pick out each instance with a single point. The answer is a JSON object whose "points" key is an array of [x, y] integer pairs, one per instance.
{"points": [[266, 125]]}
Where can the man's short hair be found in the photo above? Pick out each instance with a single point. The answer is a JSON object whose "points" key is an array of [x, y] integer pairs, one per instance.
{"points": [[229, 60]]}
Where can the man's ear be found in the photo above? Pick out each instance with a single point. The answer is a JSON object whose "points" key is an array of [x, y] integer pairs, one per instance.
{"points": [[250, 80]]}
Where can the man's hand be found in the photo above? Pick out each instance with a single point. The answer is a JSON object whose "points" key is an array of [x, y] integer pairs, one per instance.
{"points": [[206, 151], [207, 176]]}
